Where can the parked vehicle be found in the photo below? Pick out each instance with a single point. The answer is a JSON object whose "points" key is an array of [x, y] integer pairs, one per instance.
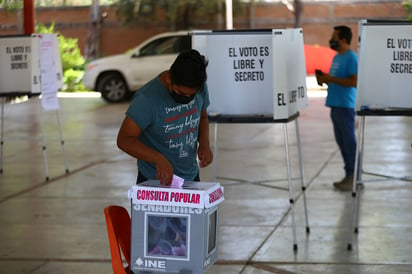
{"points": [[117, 77]]}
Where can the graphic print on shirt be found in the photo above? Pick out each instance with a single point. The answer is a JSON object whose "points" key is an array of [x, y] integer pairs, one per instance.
{"points": [[181, 126], [334, 68]]}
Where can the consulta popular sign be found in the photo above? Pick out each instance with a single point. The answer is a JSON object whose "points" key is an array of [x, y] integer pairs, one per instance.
{"points": [[191, 194]]}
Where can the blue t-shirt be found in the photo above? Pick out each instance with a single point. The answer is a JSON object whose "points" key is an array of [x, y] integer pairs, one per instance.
{"points": [[343, 66], [168, 127]]}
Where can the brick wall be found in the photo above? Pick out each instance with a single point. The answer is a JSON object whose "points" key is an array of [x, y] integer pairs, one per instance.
{"points": [[317, 21]]}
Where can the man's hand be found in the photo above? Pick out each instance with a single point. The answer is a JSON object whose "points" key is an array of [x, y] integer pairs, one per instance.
{"points": [[351, 81], [322, 78], [319, 74], [205, 156], [164, 170]]}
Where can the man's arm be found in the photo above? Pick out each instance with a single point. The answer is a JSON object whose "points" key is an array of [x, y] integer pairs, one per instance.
{"points": [[128, 141], [204, 152], [347, 82]]}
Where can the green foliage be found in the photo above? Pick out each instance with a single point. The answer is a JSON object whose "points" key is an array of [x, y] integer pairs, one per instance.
{"points": [[72, 80], [407, 4], [11, 5], [179, 14], [72, 60]]}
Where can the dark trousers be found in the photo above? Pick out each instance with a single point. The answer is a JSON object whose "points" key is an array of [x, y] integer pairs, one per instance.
{"points": [[343, 120]]}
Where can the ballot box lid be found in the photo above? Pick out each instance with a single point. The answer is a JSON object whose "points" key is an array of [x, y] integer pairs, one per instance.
{"points": [[191, 194]]}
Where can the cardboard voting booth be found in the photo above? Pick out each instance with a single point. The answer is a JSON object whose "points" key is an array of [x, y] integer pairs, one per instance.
{"points": [[30, 65], [385, 65], [254, 72], [19, 66], [174, 230], [256, 76], [383, 89]]}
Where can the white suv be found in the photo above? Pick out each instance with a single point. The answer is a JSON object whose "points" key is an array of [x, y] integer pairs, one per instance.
{"points": [[117, 77]]}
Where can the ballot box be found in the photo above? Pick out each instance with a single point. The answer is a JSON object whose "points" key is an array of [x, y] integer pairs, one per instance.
{"points": [[174, 230]]}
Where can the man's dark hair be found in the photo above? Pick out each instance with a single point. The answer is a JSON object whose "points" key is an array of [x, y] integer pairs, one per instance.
{"points": [[344, 32], [189, 69]]}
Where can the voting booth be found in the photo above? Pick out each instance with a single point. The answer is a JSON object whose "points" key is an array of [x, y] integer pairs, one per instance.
{"points": [[19, 66], [256, 76], [254, 73], [174, 230], [385, 66], [383, 88], [30, 65]]}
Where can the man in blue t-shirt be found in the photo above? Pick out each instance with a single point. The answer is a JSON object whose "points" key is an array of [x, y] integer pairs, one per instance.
{"points": [[341, 81], [166, 126]]}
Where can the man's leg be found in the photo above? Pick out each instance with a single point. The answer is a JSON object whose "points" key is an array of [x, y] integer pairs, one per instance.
{"points": [[344, 127]]}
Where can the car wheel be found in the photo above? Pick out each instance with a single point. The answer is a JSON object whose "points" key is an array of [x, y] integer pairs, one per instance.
{"points": [[113, 88]]}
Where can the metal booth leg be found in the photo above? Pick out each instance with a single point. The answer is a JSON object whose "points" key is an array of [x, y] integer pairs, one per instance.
{"points": [[291, 199], [359, 172], [215, 149], [62, 141], [2, 134], [356, 179], [43, 144], [302, 177]]}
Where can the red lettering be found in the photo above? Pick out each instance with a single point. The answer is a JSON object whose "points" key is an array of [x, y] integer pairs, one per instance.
{"points": [[171, 119], [192, 198], [195, 199], [174, 118], [187, 131], [174, 136], [173, 196], [190, 130], [215, 195], [152, 195], [193, 111]]}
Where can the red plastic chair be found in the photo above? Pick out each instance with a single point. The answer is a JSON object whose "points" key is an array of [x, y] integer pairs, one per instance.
{"points": [[118, 229]]}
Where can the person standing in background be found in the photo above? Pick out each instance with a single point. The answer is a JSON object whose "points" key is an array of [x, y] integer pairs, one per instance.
{"points": [[342, 81]]}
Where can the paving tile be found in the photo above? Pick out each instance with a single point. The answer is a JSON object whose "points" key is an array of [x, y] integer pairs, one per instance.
{"points": [[58, 226]]}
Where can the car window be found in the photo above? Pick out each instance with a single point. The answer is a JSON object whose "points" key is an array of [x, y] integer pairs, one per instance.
{"points": [[166, 45], [185, 43]]}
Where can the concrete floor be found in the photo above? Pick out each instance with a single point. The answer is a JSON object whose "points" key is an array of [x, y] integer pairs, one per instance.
{"points": [[58, 226]]}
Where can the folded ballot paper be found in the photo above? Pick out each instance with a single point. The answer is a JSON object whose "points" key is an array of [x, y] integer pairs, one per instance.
{"points": [[177, 182]]}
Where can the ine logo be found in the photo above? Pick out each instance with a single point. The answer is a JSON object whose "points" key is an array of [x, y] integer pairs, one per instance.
{"points": [[139, 262], [151, 264]]}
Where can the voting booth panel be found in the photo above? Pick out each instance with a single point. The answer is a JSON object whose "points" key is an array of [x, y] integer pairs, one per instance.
{"points": [[239, 71], [174, 230], [383, 88], [254, 72], [385, 65], [289, 72], [22, 59], [31, 65], [256, 76], [19, 65]]}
